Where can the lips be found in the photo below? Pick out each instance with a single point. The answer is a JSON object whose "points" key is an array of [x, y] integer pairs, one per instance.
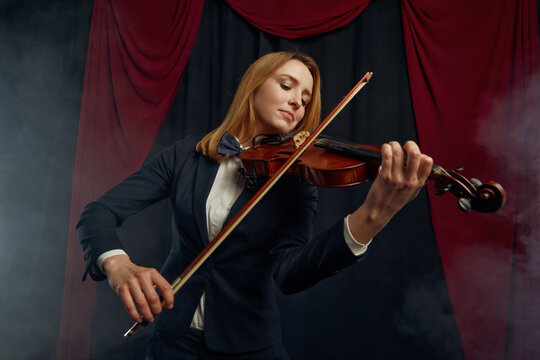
{"points": [[289, 115]]}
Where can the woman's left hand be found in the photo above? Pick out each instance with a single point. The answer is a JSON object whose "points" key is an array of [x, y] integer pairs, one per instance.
{"points": [[399, 181]]}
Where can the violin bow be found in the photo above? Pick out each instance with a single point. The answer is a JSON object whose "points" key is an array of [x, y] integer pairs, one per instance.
{"points": [[237, 219]]}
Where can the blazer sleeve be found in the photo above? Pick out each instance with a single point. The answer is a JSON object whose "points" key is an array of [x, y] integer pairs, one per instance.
{"points": [[96, 228], [301, 260]]}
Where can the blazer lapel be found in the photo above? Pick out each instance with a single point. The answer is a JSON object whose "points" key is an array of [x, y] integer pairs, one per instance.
{"points": [[243, 199], [206, 173]]}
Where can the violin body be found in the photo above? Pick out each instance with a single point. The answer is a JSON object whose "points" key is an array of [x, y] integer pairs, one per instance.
{"points": [[316, 164]]}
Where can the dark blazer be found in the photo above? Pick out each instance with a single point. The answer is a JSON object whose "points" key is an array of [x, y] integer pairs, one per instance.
{"points": [[273, 245]]}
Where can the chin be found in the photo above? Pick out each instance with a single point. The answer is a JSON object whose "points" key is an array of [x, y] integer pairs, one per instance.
{"points": [[285, 129], [277, 127]]}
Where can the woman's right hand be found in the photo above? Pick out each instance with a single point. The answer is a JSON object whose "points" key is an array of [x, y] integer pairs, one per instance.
{"points": [[136, 286]]}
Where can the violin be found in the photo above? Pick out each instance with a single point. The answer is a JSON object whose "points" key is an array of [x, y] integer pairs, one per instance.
{"points": [[330, 162], [323, 152]]}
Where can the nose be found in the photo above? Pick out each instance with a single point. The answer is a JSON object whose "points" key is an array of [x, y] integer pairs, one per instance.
{"points": [[295, 100]]}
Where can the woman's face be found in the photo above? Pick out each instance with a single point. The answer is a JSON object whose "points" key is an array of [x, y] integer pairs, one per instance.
{"points": [[280, 102]]}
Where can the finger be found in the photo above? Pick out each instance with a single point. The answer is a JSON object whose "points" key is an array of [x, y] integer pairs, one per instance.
{"points": [[165, 288], [127, 300], [413, 160], [140, 299], [386, 162], [425, 168], [397, 161], [149, 291]]}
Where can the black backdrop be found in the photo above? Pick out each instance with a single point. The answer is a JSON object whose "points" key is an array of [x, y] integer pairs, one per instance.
{"points": [[392, 305]]}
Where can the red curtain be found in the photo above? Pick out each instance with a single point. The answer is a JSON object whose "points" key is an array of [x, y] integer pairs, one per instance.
{"points": [[471, 69], [298, 18], [136, 54]]}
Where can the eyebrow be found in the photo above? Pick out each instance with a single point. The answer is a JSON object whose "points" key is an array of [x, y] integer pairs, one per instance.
{"points": [[295, 80]]}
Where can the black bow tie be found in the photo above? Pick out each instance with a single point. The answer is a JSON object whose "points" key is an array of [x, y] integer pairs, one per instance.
{"points": [[228, 145]]}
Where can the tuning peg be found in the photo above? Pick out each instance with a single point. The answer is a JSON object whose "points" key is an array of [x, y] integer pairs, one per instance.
{"points": [[475, 182], [458, 169], [443, 190], [464, 204]]}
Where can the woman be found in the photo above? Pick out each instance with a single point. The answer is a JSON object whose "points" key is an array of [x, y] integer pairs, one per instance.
{"points": [[228, 308]]}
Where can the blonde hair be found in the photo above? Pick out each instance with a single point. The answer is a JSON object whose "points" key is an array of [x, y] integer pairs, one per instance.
{"points": [[241, 114]]}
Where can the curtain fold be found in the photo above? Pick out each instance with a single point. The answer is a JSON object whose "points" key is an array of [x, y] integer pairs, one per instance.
{"points": [[471, 66], [298, 18], [136, 54]]}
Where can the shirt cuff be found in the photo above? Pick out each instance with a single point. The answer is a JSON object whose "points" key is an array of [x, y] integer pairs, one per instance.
{"points": [[106, 255], [356, 248]]}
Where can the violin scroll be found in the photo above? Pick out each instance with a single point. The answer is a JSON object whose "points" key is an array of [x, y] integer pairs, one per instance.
{"points": [[472, 194]]}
